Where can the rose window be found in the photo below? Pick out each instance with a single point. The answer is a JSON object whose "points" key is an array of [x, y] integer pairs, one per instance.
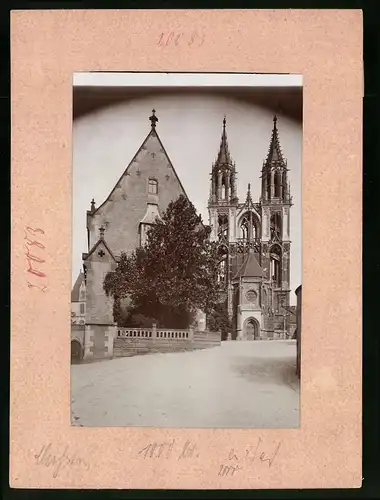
{"points": [[251, 295]]}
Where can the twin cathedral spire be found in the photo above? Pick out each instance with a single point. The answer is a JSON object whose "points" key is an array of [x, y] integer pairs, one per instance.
{"points": [[274, 176], [275, 185], [223, 176]]}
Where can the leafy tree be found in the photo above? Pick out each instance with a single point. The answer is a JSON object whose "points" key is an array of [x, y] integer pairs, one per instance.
{"points": [[218, 320], [174, 273]]}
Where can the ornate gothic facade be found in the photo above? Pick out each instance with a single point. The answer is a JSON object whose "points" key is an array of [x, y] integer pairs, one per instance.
{"points": [[254, 242]]}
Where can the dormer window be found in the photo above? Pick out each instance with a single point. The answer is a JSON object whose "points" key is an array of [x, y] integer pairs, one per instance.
{"points": [[153, 186]]}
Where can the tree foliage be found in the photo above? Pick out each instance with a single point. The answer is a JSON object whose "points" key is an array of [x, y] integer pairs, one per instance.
{"points": [[219, 321], [173, 274]]}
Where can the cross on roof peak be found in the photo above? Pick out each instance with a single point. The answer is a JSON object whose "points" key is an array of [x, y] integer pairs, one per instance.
{"points": [[153, 119]]}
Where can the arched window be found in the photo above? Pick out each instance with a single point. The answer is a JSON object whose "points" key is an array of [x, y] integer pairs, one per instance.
{"points": [[284, 186], [153, 186], [277, 185], [224, 187], [275, 265], [222, 266], [269, 184], [223, 226], [275, 226], [244, 228], [249, 227]]}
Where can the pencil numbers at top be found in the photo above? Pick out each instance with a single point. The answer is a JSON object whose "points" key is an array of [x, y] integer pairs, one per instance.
{"points": [[176, 39]]}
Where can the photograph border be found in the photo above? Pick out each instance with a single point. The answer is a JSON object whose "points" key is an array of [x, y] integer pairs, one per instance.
{"points": [[95, 89], [334, 96]]}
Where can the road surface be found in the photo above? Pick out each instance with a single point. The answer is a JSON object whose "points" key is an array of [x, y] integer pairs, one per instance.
{"points": [[241, 384]]}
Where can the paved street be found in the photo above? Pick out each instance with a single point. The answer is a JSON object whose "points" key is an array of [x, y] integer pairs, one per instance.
{"points": [[239, 384]]}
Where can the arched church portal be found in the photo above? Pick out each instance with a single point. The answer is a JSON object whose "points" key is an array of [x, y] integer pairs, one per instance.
{"points": [[251, 329]]}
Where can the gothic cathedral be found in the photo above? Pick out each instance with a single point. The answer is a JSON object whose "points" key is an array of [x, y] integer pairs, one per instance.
{"points": [[253, 243]]}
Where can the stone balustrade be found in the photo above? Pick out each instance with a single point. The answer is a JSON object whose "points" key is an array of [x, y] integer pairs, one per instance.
{"points": [[154, 333], [132, 341]]}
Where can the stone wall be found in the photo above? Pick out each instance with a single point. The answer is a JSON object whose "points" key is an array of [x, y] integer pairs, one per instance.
{"points": [[99, 341], [133, 341]]}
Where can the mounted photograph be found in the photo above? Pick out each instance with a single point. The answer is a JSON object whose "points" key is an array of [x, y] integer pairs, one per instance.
{"points": [[186, 250]]}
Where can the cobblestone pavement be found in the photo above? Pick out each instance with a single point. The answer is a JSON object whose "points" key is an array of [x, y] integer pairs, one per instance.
{"points": [[248, 384]]}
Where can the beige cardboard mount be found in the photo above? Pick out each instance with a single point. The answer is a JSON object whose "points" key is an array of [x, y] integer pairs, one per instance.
{"points": [[47, 47]]}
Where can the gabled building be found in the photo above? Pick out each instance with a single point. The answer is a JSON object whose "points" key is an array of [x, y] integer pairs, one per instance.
{"points": [[120, 224]]}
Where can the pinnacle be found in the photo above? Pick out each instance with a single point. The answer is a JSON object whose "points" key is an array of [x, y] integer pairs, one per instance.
{"points": [[274, 153], [224, 157]]}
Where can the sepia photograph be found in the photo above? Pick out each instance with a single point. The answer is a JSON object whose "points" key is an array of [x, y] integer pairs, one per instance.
{"points": [[186, 250]]}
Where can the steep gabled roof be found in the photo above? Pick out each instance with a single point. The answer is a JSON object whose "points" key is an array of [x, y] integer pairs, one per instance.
{"points": [[250, 267], [152, 133], [100, 240], [224, 156], [76, 287], [274, 153]]}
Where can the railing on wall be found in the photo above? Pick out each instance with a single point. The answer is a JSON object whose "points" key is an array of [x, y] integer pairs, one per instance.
{"points": [[134, 332], [154, 333], [133, 341]]}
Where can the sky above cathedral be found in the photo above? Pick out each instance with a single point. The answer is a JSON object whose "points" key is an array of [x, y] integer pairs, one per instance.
{"points": [[190, 128]]}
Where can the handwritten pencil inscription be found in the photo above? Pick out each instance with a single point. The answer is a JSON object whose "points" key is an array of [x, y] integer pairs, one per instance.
{"points": [[235, 461], [57, 462], [173, 38], [228, 470], [251, 454], [34, 253], [168, 449]]}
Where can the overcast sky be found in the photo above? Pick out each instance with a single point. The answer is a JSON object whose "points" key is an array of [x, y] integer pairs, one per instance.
{"points": [[105, 141]]}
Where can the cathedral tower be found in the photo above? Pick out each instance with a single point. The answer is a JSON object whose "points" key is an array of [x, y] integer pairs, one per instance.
{"points": [[275, 241], [223, 204]]}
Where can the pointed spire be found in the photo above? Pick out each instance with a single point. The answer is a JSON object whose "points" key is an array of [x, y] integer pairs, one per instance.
{"points": [[248, 200], [153, 119], [224, 156], [274, 153]]}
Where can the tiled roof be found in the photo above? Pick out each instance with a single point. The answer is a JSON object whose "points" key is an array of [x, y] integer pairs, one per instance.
{"points": [[100, 240], [250, 267]]}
